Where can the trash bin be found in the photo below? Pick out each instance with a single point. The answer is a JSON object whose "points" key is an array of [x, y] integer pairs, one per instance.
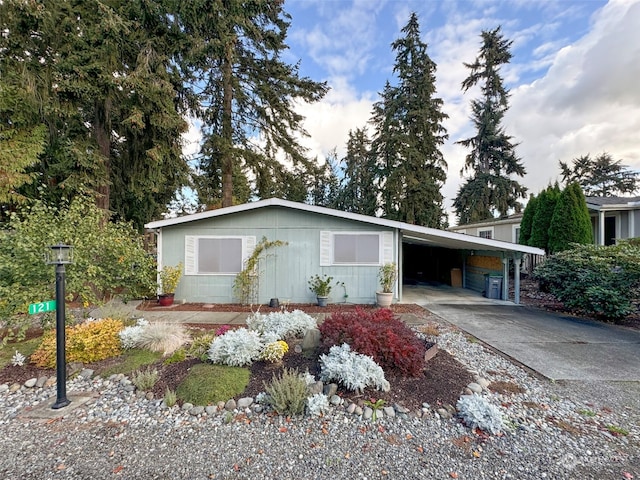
{"points": [[493, 286], [456, 277]]}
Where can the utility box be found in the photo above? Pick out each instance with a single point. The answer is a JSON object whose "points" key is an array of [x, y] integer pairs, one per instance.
{"points": [[456, 277], [493, 286]]}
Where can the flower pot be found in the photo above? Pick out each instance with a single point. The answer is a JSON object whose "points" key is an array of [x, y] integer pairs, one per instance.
{"points": [[322, 301], [384, 299], [165, 299]]}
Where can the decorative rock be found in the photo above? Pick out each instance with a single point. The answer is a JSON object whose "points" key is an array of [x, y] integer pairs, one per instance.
{"points": [[351, 408], [73, 368], [187, 406], [15, 387], [297, 348], [195, 411], [315, 388], [31, 383], [474, 387], [335, 400], [483, 382], [149, 396], [4, 388], [258, 408], [400, 409], [245, 402], [230, 405], [220, 405], [51, 381], [41, 381], [311, 339], [210, 409], [443, 414], [86, 373], [389, 412], [129, 388], [358, 410], [368, 413], [379, 414], [330, 389]]}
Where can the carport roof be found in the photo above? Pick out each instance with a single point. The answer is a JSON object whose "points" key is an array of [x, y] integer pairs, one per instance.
{"points": [[413, 233]]}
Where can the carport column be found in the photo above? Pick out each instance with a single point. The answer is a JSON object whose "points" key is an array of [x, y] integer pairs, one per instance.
{"points": [[505, 279], [516, 281], [601, 227]]}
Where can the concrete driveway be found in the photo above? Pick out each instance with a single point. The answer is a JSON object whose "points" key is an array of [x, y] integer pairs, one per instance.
{"points": [[557, 346]]}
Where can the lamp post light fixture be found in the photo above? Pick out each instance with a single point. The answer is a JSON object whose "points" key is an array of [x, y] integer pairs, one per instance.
{"points": [[60, 255]]}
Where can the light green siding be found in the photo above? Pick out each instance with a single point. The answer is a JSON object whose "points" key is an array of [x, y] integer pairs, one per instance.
{"points": [[285, 270]]}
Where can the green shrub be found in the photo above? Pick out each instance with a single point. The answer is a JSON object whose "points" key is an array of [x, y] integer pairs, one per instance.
{"points": [[178, 356], [86, 342], [170, 397], [200, 345], [288, 392], [108, 258], [145, 379], [596, 280], [207, 384]]}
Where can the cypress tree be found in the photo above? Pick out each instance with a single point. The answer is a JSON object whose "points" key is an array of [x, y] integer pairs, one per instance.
{"points": [[527, 220], [570, 222], [545, 207]]}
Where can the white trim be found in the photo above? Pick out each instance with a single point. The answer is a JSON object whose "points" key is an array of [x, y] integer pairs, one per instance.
{"points": [[158, 258], [514, 237], [442, 238]]}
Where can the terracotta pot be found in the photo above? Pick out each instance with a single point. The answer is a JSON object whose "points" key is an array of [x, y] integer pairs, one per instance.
{"points": [[165, 299]]}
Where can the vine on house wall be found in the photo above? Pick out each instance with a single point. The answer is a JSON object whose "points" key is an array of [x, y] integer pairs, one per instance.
{"points": [[247, 282]]}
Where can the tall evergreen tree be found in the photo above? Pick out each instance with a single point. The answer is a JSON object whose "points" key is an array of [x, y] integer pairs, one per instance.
{"points": [[358, 192], [408, 136], [492, 160], [570, 222], [545, 206], [102, 76], [526, 223], [245, 102], [600, 176]]}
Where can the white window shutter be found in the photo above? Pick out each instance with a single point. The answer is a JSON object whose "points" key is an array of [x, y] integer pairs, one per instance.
{"points": [[387, 247], [190, 267], [249, 245], [325, 248]]}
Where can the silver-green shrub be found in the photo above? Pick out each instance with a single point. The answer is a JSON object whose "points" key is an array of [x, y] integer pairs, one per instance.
{"points": [[317, 404], [476, 412], [236, 348], [353, 370], [283, 325]]}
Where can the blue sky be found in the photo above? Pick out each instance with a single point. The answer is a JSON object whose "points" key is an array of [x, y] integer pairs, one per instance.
{"points": [[574, 77]]}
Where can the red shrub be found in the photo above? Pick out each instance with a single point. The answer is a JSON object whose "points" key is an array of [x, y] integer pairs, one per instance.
{"points": [[379, 334]]}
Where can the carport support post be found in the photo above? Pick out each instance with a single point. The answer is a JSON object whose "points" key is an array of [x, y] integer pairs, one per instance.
{"points": [[516, 281], [505, 279]]}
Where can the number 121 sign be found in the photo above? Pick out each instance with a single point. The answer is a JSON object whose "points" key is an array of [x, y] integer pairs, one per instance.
{"points": [[42, 307]]}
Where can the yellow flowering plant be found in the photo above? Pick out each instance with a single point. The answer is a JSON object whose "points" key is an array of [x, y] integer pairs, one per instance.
{"points": [[170, 277], [273, 352]]}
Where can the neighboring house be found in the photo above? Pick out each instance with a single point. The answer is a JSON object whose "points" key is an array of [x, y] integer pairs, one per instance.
{"points": [[349, 247], [614, 218], [505, 229]]}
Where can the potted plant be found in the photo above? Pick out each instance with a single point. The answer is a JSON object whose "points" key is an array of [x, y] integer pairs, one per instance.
{"points": [[387, 276], [169, 279], [321, 286]]}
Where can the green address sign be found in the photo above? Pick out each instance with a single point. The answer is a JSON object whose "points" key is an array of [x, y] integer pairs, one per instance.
{"points": [[42, 307]]}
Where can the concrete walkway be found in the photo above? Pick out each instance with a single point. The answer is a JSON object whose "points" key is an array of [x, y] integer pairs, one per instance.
{"points": [[560, 347]]}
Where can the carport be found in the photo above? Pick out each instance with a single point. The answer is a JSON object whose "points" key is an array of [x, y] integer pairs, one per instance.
{"points": [[428, 256]]}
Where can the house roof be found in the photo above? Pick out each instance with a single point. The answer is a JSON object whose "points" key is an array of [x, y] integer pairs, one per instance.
{"points": [[414, 233], [613, 203], [511, 219]]}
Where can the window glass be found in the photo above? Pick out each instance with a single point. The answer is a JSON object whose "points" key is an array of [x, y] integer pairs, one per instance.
{"points": [[485, 234], [356, 249], [219, 255]]}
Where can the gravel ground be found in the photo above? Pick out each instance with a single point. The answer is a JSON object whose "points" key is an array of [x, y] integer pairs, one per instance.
{"points": [[553, 431]]}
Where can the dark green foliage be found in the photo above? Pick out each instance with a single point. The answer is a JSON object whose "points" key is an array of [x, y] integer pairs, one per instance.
{"points": [[234, 58], [526, 223], [570, 222], [492, 160], [600, 176], [595, 280], [408, 135], [545, 206], [358, 193], [288, 392]]}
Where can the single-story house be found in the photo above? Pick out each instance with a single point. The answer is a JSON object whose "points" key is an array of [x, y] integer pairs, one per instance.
{"points": [[214, 244], [506, 229], [614, 218]]}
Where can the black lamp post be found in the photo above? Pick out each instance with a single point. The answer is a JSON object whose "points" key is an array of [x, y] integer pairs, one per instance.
{"points": [[60, 255]]}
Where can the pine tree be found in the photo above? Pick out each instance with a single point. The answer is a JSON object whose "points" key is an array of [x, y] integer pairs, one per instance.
{"points": [[408, 135], [492, 160], [358, 192], [570, 222], [247, 94], [600, 176], [545, 206], [526, 223]]}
